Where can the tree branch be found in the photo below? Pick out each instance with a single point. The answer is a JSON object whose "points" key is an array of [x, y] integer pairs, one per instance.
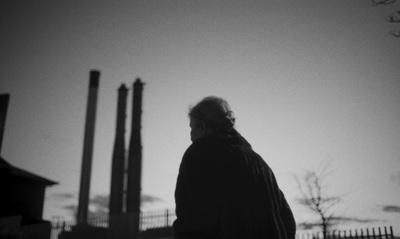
{"points": [[313, 196]]}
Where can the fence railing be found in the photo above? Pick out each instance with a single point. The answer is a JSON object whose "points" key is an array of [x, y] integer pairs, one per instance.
{"points": [[368, 233], [157, 219], [151, 221], [148, 220]]}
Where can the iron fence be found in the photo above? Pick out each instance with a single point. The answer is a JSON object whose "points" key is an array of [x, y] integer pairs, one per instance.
{"points": [[149, 220], [367, 233], [160, 223]]}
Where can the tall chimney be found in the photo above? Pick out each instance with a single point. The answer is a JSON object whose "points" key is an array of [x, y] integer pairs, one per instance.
{"points": [[135, 160], [88, 148], [4, 99], [118, 160]]}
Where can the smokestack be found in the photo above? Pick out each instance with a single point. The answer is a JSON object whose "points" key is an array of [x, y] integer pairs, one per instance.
{"points": [[4, 99], [118, 160], [135, 160], [88, 148]]}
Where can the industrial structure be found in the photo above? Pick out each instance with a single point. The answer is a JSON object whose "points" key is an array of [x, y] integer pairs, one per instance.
{"points": [[117, 189], [88, 143], [125, 191], [126, 171]]}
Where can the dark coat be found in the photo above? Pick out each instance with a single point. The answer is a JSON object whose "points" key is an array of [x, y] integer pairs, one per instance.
{"points": [[225, 190]]}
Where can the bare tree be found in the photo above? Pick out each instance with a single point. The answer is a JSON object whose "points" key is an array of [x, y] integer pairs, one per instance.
{"points": [[394, 17], [314, 197]]}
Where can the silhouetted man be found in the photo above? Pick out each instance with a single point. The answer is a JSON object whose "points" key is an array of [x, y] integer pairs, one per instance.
{"points": [[225, 190]]}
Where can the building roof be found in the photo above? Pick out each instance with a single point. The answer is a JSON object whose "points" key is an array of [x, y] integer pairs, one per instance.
{"points": [[5, 166]]}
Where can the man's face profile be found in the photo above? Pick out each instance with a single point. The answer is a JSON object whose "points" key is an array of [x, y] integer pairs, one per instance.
{"points": [[197, 130]]}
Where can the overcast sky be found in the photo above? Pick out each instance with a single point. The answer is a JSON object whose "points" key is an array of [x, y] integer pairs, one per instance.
{"points": [[310, 82]]}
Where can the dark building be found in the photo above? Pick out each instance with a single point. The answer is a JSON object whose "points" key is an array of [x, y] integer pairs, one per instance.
{"points": [[22, 195], [21, 203]]}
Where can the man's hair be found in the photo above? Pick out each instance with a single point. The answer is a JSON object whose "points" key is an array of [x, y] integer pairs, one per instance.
{"points": [[214, 112]]}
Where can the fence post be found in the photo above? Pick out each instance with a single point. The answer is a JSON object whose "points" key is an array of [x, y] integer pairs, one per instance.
{"points": [[373, 233], [391, 232], [141, 219], [166, 217]]}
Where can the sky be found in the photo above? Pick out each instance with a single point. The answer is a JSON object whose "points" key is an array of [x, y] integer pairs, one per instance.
{"points": [[311, 82]]}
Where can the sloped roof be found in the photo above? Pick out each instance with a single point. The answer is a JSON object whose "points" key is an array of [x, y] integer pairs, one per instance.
{"points": [[5, 166]]}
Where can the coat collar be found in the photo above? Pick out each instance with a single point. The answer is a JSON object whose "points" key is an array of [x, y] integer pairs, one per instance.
{"points": [[226, 135]]}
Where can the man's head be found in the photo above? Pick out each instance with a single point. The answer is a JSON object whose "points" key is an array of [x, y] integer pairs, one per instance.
{"points": [[210, 114]]}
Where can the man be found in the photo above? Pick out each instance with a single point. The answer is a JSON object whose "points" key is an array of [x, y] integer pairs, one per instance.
{"points": [[224, 189]]}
